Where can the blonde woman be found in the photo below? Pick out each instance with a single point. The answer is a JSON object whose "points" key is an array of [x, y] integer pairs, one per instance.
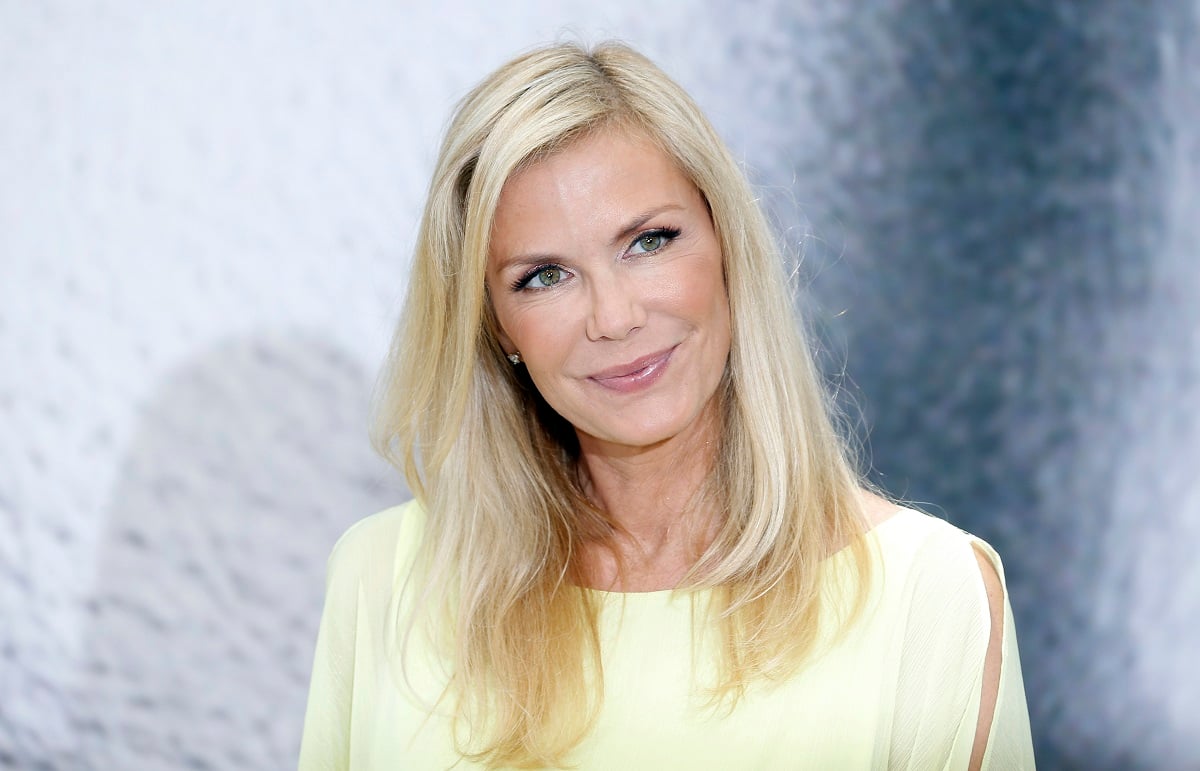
{"points": [[636, 541]]}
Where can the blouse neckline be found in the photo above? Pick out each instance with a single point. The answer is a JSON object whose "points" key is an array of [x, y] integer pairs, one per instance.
{"points": [[608, 595]]}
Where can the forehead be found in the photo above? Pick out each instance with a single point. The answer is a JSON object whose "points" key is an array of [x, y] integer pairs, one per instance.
{"points": [[595, 182], [602, 147]]}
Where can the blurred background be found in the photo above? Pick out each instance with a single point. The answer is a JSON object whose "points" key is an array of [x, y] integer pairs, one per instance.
{"points": [[206, 214]]}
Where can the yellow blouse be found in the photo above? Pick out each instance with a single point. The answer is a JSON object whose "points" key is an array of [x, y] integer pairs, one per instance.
{"points": [[900, 690]]}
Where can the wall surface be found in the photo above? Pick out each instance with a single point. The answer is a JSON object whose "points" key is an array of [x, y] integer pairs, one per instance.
{"points": [[205, 218]]}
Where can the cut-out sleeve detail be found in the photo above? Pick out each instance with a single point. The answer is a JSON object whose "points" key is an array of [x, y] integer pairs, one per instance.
{"points": [[942, 644]]}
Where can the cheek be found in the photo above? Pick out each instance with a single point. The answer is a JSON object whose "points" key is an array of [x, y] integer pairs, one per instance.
{"points": [[540, 331], [510, 318], [701, 294]]}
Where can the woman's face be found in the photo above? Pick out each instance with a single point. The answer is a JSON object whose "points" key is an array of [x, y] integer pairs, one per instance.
{"points": [[606, 275]]}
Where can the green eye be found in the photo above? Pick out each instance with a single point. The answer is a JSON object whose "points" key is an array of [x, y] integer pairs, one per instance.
{"points": [[545, 277], [650, 243]]}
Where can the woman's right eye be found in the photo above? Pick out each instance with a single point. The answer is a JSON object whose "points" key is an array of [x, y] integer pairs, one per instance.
{"points": [[541, 277]]}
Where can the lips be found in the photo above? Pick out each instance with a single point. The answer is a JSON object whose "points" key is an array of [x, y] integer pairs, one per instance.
{"points": [[635, 375]]}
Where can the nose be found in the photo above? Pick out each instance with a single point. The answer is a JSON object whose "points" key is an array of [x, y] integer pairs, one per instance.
{"points": [[617, 309]]}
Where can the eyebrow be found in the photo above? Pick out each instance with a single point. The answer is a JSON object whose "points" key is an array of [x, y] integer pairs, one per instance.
{"points": [[627, 231]]}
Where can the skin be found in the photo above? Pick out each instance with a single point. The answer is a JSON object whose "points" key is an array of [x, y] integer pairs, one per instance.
{"points": [[615, 287], [992, 659]]}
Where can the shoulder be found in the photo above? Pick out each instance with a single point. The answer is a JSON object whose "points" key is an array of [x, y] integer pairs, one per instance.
{"points": [[931, 566], [925, 542], [936, 606], [909, 533], [376, 543]]}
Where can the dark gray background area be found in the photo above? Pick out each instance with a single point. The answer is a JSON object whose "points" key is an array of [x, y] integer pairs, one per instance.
{"points": [[1004, 271]]}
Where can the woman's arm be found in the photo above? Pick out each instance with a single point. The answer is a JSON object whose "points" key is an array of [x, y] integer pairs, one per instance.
{"points": [[993, 659], [1003, 739]]}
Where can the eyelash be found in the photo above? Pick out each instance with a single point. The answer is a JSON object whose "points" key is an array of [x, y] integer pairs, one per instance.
{"points": [[523, 281], [668, 234]]}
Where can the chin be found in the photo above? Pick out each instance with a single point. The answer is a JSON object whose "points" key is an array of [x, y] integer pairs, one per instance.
{"points": [[656, 429]]}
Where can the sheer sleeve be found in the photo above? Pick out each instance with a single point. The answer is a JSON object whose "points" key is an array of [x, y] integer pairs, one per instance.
{"points": [[1010, 743], [942, 646], [325, 744], [360, 576]]}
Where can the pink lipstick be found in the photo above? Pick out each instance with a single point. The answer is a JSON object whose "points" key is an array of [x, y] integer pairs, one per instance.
{"points": [[635, 375]]}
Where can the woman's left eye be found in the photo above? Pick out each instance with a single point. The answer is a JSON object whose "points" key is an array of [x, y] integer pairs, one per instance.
{"points": [[654, 240]]}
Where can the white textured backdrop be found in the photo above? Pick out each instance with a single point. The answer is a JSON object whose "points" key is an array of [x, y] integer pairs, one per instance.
{"points": [[205, 217]]}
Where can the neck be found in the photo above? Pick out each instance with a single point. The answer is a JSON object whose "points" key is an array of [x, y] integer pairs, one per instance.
{"points": [[652, 497]]}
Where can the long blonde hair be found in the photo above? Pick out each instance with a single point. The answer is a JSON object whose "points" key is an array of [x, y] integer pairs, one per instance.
{"points": [[496, 470]]}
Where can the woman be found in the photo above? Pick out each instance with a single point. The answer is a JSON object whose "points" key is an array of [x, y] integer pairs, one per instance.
{"points": [[636, 541]]}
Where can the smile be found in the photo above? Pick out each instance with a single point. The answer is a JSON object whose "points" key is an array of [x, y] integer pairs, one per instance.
{"points": [[636, 375]]}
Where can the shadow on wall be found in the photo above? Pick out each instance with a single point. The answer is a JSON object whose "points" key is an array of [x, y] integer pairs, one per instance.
{"points": [[250, 463]]}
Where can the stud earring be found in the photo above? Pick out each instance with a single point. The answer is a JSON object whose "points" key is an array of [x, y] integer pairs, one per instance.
{"points": [[514, 358]]}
